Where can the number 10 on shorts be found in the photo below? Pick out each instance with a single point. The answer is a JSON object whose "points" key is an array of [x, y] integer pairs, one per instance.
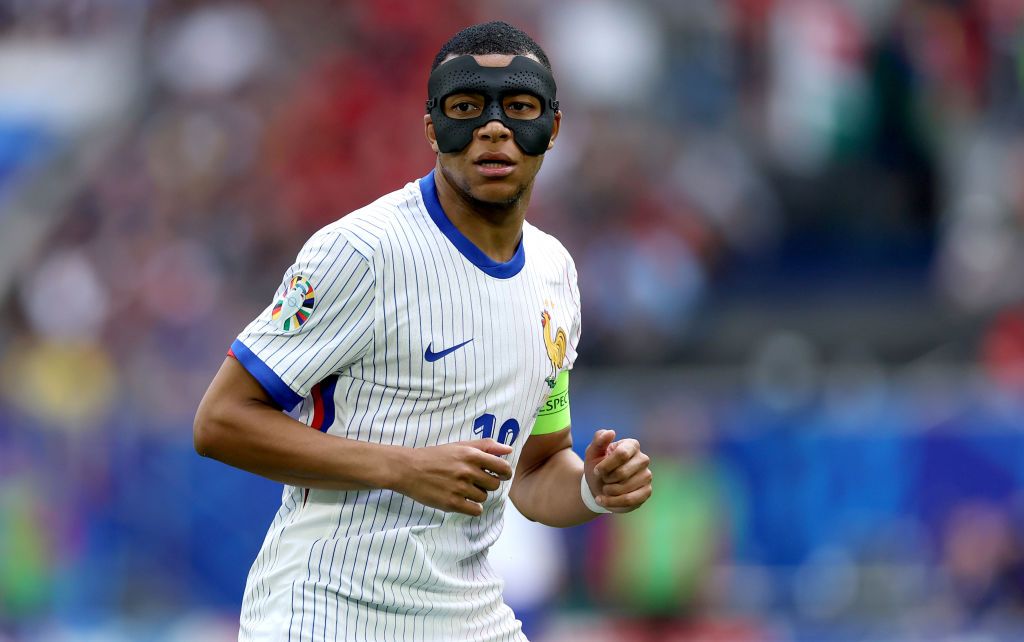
{"points": [[484, 426]]}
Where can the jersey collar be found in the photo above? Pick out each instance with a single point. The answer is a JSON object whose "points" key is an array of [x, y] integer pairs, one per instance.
{"points": [[512, 267]]}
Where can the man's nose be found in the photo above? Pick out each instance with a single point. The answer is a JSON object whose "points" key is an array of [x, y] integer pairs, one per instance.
{"points": [[494, 131]]}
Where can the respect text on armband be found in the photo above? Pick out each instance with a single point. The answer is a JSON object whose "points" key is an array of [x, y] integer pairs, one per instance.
{"points": [[555, 403]]}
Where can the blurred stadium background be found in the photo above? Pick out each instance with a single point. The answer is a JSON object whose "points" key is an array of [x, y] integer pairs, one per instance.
{"points": [[799, 226]]}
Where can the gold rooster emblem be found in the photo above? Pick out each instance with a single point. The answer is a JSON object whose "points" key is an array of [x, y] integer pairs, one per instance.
{"points": [[555, 347]]}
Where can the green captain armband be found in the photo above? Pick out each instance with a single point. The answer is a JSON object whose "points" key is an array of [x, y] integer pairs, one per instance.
{"points": [[554, 414]]}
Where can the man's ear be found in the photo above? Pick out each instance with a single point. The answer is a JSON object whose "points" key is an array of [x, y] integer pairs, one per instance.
{"points": [[554, 130], [428, 131]]}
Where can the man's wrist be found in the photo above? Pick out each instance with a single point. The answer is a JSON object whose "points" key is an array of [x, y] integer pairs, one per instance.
{"points": [[588, 497], [390, 466], [375, 465]]}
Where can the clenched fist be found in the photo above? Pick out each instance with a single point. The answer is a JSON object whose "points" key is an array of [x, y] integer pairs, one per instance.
{"points": [[618, 472]]}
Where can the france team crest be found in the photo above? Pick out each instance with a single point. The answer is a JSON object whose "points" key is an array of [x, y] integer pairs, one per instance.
{"points": [[295, 307], [555, 346]]}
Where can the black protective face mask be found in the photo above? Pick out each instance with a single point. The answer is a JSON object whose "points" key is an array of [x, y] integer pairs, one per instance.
{"points": [[465, 75]]}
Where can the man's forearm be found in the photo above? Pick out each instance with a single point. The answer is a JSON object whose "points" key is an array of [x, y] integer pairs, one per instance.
{"points": [[265, 441], [550, 493], [238, 423]]}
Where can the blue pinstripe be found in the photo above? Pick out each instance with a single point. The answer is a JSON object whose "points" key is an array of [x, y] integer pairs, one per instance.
{"points": [[376, 508], [344, 555], [435, 582], [328, 363], [430, 425], [430, 299], [409, 351], [288, 504], [314, 321]]}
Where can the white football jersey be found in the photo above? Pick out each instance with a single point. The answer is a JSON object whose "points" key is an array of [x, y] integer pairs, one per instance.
{"points": [[392, 327]]}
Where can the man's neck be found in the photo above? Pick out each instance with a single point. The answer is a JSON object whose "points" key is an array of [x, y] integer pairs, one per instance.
{"points": [[494, 228]]}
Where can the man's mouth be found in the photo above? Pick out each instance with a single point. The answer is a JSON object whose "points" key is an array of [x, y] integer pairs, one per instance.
{"points": [[494, 160], [495, 165]]}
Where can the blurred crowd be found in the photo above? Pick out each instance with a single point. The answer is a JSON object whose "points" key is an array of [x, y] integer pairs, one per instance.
{"points": [[725, 171]]}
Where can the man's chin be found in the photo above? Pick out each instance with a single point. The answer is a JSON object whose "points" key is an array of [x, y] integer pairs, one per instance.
{"points": [[485, 193], [498, 193]]}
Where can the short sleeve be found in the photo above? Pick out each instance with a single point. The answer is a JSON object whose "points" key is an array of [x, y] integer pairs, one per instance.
{"points": [[575, 329], [319, 321]]}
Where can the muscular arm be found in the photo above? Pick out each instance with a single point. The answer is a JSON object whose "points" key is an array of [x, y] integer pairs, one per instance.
{"points": [[546, 487], [239, 424]]}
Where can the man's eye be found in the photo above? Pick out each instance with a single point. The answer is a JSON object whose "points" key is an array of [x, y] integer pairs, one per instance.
{"points": [[522, 109], [463, 107]]}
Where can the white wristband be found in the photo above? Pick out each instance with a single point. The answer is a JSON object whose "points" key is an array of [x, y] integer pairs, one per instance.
{"points": [[588, 497]]}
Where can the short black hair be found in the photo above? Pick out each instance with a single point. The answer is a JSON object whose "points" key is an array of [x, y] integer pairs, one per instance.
{"points": [[491, 38]]}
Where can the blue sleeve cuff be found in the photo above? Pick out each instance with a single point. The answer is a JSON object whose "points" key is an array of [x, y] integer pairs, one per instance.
{"points": [[281, 393]]}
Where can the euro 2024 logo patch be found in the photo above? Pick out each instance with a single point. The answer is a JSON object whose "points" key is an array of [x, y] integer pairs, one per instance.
{"points": [[295, 307]]}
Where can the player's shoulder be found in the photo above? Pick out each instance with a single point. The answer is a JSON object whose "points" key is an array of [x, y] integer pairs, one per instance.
{"points": [[543, 245], [366, 228]]}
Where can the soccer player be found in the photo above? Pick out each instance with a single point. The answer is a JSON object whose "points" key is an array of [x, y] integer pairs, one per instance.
{"points": [[424, 344]]}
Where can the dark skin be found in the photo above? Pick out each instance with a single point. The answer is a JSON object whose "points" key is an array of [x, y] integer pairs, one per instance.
{"points": [[488, 210], [238, 422]]}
